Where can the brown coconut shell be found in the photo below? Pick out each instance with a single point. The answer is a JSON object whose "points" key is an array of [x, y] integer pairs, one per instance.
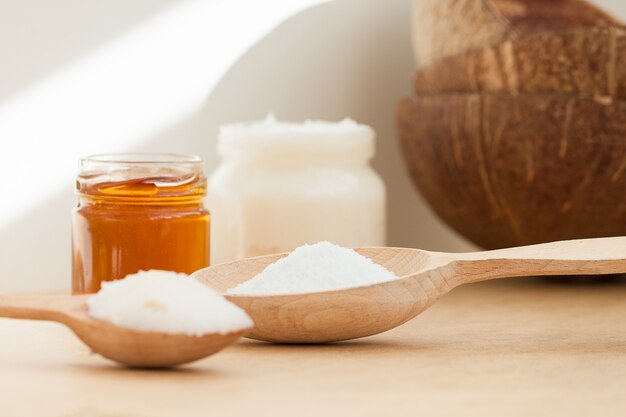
{"points": [[448, 27], [516, 170], [585, 63]]}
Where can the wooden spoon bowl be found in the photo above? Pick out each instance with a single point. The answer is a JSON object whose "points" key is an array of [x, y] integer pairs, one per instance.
{"points": [[329, 315], [424, 276], [130, 347]]}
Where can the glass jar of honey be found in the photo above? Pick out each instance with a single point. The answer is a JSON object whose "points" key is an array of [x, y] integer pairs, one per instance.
{"points": [[138, 212]]}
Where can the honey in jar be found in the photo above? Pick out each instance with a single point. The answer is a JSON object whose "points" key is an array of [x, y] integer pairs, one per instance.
{"points": [[138, 212]]}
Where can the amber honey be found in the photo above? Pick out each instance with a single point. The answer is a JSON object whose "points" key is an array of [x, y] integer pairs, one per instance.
{"points": [[138, 212]]}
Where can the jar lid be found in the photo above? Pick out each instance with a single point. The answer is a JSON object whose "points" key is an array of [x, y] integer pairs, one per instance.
{"points": [[270, 136]]}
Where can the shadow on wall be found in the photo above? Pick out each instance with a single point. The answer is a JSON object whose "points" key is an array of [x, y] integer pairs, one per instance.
{"points": [[343, 58]]}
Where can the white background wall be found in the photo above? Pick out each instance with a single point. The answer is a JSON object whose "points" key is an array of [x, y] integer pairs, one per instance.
{"points": [[335, 59]]}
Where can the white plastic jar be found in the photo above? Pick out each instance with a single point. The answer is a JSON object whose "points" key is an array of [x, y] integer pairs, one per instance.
{"points": [[281, 185]]}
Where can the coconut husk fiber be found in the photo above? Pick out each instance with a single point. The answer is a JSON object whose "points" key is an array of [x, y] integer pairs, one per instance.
{"points": [[515, 170], [448, 27], [583, 63]]}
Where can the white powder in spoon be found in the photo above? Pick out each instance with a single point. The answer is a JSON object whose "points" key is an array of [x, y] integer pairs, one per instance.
{"points": [[312, 268], [168, 302]]}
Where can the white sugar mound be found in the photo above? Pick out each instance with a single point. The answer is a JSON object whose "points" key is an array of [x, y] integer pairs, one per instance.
{"points": [[166, 302], [313, 268]]}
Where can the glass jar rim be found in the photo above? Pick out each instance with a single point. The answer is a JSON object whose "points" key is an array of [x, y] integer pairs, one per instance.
{"points": [[141, 177], [142, 158]]}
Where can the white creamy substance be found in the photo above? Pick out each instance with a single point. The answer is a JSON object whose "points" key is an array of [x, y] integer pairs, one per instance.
{"points": [[281, 185], [166, 302], [312, 268]]}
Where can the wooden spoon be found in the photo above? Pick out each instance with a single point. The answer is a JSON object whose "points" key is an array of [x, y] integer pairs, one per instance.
{"points": [[135, 348], [424, 277]]}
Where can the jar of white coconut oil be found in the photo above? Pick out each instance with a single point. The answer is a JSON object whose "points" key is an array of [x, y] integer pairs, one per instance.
{"points": [[281, 185]]}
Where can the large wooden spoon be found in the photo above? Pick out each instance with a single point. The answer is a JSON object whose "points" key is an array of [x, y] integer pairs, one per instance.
{"points": [[424, 277], [127, 346]]}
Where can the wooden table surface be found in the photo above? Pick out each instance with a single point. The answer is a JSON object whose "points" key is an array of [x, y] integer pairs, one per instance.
{"points": [[520, 347]]}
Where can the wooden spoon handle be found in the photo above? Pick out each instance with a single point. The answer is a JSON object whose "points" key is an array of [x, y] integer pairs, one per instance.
{"points": [[570, 257], [37, 307]]}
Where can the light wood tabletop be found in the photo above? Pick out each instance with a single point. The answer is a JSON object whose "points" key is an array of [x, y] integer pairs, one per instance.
{"points": [[511, 348]]}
